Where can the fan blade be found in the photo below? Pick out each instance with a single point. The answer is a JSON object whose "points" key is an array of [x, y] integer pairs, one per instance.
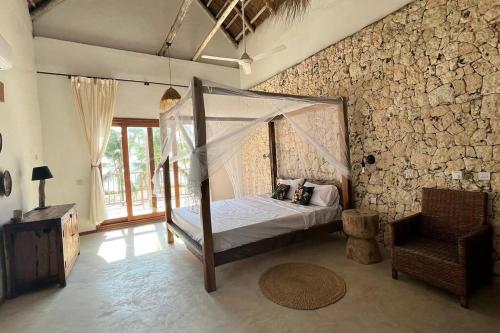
{"points": [[267, 54], [246, 67], [220, 58]]}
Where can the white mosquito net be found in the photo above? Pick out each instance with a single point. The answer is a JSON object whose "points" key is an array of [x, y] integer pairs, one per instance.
{"points": [[237, 139]]}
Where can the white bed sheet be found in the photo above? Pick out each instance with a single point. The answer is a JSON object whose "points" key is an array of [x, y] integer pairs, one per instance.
{"points": [[237, 222]]}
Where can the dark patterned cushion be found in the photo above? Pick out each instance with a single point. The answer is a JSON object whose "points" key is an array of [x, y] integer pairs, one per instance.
{"points": [[280, 191], [303, 195]]}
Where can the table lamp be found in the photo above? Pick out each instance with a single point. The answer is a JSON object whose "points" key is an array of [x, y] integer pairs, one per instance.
{"points": [[41, 173]]}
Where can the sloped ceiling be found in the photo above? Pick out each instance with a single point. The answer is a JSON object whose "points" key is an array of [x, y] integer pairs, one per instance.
{"points": [[325, 23], [132, 25], [142, 25]]}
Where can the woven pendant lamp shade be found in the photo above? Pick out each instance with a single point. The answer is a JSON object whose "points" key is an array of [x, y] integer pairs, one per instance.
{"points": [[169, 99]]}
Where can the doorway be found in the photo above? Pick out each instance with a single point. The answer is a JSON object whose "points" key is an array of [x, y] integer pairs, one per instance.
{"points": [[127, 169]]}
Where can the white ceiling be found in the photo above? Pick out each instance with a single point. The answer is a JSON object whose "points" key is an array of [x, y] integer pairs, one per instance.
{"points": [[325, 23], [142, 25], [132, 25]]}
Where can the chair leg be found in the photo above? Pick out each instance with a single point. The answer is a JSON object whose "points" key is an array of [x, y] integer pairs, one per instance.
{"points": [[464, 301], [394, 274]]}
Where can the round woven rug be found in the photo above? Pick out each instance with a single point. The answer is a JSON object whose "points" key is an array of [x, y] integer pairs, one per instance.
{"points": [[302, 286]]}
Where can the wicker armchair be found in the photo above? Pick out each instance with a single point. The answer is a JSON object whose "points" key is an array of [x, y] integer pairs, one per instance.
{"points": [[448, 244]]}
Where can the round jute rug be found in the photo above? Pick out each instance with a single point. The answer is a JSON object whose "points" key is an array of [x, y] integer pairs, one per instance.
{"points": [[302, 286]]}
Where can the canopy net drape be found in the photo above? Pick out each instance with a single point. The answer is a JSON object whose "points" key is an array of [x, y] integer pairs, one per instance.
{"points": [[237, 138]]}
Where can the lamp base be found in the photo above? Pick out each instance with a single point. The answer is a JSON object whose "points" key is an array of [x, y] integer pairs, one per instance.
{"points": [[41, 208]]}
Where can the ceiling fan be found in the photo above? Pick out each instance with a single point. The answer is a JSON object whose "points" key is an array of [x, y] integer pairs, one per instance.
{"points": [[245, 61]]}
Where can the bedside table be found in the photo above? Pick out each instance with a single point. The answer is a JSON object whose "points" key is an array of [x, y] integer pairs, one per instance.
{"points": [[41, 249], [361, 225]]}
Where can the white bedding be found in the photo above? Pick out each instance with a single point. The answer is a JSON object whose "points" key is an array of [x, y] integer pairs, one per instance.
{"points": [[242, 221]]}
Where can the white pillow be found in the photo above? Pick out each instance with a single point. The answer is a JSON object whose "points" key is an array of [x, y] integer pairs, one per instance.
{"points": [[294, 184], [324, 195]]}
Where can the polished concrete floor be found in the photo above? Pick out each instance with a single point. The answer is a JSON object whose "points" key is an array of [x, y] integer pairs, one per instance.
{"points": [[132, 281]]}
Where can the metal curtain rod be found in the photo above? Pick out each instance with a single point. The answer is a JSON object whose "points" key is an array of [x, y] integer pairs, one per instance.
{"points": [[146, 83]]}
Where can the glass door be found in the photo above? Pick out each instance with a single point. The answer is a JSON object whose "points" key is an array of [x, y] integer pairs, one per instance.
{"points": [[128, 166], [113, 176], [140, 171]]}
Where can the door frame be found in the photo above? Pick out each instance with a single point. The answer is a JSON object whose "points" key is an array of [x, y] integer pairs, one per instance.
{"points": [[125, 123]]}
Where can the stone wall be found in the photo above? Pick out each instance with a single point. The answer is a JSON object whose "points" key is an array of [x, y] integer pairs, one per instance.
{"points": [[256, 167], [423, 91], [296, 158]]}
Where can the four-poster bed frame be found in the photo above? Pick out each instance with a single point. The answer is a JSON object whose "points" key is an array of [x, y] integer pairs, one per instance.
{"points": [[205, 252]]}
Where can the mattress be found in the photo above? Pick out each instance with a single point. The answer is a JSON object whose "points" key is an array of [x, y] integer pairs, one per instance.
{"points": [[237, 222]]}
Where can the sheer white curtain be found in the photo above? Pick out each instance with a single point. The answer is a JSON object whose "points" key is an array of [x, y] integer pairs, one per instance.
{"points": [[316, 121], [233, 163], [95, 101]]}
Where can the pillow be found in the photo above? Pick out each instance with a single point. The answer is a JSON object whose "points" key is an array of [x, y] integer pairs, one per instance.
{"points": [[280, 191], [324, 195], [294, 184], [303, 195]]}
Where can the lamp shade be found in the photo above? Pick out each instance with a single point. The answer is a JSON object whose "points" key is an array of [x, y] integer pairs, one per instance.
{"points": [[40, 173], [169, 99]]}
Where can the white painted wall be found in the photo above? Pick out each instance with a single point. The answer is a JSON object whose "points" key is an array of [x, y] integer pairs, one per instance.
{"points": [[54, 55], [19, 115], [327, 22], [64, 144]]}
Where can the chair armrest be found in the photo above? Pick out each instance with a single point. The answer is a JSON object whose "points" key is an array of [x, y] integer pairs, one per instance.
{"points": [[476, 246], [405, 229]]}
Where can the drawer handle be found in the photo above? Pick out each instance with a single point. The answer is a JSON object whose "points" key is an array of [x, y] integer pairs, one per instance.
{"points": [[47, 230]]}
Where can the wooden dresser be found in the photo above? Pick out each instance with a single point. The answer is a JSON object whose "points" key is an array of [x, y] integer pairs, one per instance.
{"points": [[41, 249]]}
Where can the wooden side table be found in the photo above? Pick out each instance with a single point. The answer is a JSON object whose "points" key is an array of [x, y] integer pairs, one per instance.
{"points": [[361, 225], [41, 249]]}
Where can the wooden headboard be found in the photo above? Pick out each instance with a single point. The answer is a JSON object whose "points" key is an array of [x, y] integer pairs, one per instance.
{"points": [[344, 187]]}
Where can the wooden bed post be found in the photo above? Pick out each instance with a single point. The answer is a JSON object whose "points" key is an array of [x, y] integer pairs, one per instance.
{"points": [[200, 137], [168, 200], [272, 153], [344, 151]]}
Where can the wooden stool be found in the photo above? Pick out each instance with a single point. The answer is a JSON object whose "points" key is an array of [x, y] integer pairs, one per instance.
{"points": [[361, 225]]}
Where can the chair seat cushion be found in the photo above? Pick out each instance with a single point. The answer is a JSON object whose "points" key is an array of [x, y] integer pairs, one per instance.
{"points": [[428, 247]]}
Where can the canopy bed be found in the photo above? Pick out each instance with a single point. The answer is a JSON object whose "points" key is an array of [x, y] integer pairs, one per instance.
{"points": [[205, 131]]}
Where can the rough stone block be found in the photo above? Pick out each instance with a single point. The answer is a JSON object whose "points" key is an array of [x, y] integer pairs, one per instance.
{"points": [[491, 83]]}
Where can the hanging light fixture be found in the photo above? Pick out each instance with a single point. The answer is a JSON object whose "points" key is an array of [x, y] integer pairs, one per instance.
{"points": [[171, 96]]}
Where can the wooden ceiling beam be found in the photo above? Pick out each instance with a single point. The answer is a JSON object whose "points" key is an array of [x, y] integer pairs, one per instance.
{"points": [[181, 14], [270, 6], [212, 18], [244, 18], [261, 11], [239, 14], [218, 25], [221, 10], [44, 8], [232, 21], [247, 25], [237, 38]]}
